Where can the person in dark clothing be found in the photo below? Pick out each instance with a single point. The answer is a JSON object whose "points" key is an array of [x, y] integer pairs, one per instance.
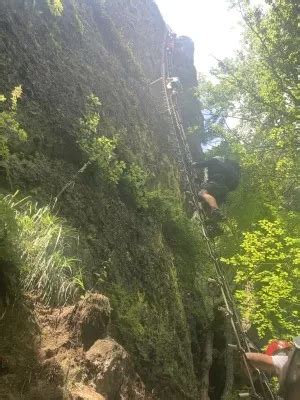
{"points": [[221, 176]]}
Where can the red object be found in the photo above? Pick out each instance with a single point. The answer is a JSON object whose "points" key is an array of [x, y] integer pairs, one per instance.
{"points": [[276, 346]]}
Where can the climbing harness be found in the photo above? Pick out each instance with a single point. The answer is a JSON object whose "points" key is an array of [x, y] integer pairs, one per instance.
{"points": [[243, 344]]}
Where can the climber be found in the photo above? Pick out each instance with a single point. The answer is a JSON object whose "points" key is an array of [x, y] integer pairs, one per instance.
{"points": [[281, 358], [170, 42], [174, 85], [220, 177], [170, 47], [274, 358]]}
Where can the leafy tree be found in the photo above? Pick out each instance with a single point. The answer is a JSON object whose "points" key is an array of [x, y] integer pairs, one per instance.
{"points": [[258, 89], [268, 272]]}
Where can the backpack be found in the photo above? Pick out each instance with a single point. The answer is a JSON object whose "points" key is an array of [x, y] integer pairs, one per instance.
{"points": [[291, 372], [224, 171]]}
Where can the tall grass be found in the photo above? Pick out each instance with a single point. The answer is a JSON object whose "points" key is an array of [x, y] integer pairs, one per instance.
{"points": [[46, 252]]}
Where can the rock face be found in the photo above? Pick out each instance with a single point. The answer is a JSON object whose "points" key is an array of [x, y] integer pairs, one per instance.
{"points": [[90, 319], [62, 369], [192, 118], [144, 260], [112, 371], [83, 392]]}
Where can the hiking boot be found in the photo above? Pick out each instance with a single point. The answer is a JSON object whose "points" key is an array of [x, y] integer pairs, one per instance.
{"points": [[216, 215]]}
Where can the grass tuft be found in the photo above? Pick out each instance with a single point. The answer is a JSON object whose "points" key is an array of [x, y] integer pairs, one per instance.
{"points": [[44, 245]]}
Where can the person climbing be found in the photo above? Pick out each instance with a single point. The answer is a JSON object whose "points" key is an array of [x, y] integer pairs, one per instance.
{"points": [[170, 42], [281, 358], [221, 176], [174, 85], [273, 359]]}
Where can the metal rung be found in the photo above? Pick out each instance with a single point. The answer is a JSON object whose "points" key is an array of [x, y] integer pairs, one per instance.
{"points": [[244, 395], [214, 281]]}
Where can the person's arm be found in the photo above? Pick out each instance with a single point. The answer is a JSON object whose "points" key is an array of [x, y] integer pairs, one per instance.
{"points": [[261, 361]]}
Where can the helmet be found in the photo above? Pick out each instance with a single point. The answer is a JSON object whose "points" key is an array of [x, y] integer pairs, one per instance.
{"points": [[275, 346]]}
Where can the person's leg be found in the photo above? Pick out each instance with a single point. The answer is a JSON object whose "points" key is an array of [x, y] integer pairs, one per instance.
{"points": [[209, 199]]}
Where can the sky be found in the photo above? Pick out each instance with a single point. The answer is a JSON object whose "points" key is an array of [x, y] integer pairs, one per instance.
{"points": [[213, 27]]}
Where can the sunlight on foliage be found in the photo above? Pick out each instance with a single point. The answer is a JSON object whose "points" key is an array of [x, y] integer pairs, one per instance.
{"points": [[15, 96], [56, 7], [102, 150], [44, 245], [268, 278], [99, 149], [135, 179], [10, 129], [256, 89]]}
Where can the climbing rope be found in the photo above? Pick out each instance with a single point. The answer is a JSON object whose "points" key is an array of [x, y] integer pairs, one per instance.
{"points": [[242, 341]]}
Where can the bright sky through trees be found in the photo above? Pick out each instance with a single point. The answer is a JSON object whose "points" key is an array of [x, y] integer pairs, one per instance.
{"points": [[213, 27]]}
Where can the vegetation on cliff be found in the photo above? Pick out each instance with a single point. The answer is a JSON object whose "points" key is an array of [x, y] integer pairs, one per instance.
{"points": [[106, 210], [92, 197]]}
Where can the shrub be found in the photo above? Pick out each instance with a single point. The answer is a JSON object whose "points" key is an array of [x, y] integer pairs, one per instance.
{"points": [[99, 149], [133, 185], [10, 129]]}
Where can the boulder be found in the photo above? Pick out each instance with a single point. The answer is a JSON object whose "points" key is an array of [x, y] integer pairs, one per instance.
{"points": [[89, 320], [112, 372], [82, 392]]}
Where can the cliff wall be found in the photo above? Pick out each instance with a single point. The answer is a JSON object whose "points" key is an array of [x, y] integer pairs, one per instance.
{"points": [[147, 258]]}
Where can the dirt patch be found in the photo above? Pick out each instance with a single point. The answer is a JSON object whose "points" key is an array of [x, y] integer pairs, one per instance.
{"points": [[43, 390], [43, 354], [19, 336]]}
